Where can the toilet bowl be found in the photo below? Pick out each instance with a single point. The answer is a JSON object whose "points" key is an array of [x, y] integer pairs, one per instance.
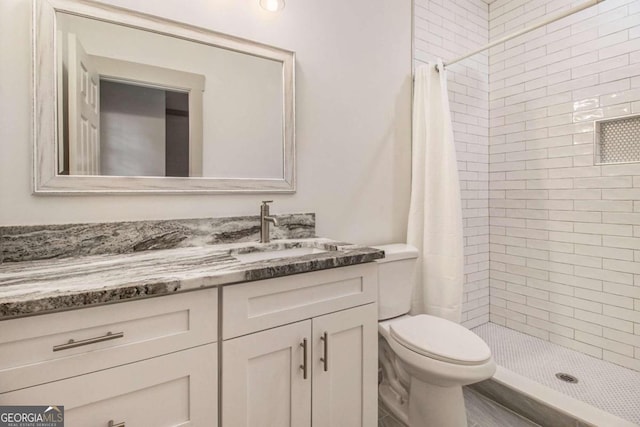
{"points": [[425, 360], [437, 365]]}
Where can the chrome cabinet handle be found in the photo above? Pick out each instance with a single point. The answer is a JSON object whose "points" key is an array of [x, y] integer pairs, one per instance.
{"points": [[325, 358], [303, 344], [73, 344], [112, 424]]}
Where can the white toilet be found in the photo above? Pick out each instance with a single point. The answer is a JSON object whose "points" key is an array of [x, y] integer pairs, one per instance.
{"points": [[425, 360]]}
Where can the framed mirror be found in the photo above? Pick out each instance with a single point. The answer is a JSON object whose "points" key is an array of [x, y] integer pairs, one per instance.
{"points": [[130, 103]]}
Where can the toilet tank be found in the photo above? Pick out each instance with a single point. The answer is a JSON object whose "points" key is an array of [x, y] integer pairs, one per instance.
{"points": [[396, 279]]}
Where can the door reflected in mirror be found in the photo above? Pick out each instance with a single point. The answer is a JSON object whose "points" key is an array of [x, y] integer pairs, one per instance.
{"points": [[141, 104]]}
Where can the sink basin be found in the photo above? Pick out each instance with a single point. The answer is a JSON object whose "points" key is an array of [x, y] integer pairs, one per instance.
{"points": [[276, 253]]}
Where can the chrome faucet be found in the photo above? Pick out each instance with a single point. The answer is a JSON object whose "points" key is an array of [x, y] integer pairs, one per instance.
{"points": [[265, 219]]}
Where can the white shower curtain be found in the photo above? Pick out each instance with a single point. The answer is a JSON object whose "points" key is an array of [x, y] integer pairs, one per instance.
{"points": [[435, 213]]}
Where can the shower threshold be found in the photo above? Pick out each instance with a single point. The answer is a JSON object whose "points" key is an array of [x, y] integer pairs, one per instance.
{"points": [[556, 386]]}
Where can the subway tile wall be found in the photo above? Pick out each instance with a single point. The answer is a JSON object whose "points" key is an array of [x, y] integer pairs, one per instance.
{"points": [[564, 233], [446, 29]]}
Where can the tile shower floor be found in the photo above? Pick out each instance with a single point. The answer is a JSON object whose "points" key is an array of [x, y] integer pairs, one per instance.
{"points": [[610, 387]]}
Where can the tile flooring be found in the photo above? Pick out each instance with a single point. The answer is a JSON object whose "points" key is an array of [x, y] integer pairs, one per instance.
{"points": [[607, 386], [481, 412]]}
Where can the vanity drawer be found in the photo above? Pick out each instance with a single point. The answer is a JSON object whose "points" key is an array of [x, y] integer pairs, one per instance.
{"points": [[35, 350], [254, 306], [177, 389]]}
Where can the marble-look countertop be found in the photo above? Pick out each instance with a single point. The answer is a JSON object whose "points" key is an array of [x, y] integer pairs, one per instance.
{"points": [[35, 287]]}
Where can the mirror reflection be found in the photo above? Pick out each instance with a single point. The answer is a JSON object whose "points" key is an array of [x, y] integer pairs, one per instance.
{"points": [[139, 103]]}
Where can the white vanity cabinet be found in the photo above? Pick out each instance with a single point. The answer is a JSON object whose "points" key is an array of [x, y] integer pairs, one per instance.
{"points": [[136, 363], [296, 351], [301, 350]]}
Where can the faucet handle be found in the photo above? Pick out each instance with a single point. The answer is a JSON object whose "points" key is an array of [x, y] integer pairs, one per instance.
{"points": [[264, 202]]}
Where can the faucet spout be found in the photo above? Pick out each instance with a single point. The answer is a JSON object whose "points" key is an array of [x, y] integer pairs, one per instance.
{"points": [[271, 219]]}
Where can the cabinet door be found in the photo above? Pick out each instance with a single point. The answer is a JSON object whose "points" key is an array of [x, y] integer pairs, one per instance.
{"points": [[345, 362], [263, 380], [179, 389]]}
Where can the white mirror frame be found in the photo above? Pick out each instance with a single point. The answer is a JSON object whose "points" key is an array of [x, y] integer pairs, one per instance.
{"points": [[46, 180]]}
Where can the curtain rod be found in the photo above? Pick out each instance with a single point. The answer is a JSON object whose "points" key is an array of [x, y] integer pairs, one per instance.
{"points": [[525, 30]]}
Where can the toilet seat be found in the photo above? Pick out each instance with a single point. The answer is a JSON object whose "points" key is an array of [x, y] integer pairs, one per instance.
{"points": [[440, 339]]}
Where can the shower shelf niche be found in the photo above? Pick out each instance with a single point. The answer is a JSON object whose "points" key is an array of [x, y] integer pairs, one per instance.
{"points": [[617, 140]]}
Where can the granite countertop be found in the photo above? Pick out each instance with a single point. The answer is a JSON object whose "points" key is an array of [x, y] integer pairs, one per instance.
{"points": [[36, 287]]}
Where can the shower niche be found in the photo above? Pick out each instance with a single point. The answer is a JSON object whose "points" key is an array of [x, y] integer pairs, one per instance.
{"points": [[617, 140]]}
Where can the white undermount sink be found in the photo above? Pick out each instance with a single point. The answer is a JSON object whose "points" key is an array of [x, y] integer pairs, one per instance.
{"points": [[276, 253]]}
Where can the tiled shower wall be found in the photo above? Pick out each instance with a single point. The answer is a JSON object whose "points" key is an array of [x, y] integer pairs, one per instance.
{"points": [[565, 234], [446, 29]]}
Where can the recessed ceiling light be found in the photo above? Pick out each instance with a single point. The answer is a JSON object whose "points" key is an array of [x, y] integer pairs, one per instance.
{"points": [[272, 5]]}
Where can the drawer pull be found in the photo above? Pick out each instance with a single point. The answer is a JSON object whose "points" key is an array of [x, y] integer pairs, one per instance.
{"points": [[112, 424], [303, 344], [325, 358], [73, 344]]}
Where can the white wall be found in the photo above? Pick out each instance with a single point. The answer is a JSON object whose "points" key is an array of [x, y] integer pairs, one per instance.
{"points": [[565, 235], [353, 117], [447, 29]]}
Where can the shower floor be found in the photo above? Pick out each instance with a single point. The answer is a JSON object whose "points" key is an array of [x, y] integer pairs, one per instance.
{"points": [[610, 387]]}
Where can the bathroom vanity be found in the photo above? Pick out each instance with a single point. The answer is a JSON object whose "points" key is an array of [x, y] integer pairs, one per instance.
{"points": [[237, 334]]}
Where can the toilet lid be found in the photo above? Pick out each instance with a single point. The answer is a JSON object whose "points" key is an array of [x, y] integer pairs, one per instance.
{"points": [[440, 339]]}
